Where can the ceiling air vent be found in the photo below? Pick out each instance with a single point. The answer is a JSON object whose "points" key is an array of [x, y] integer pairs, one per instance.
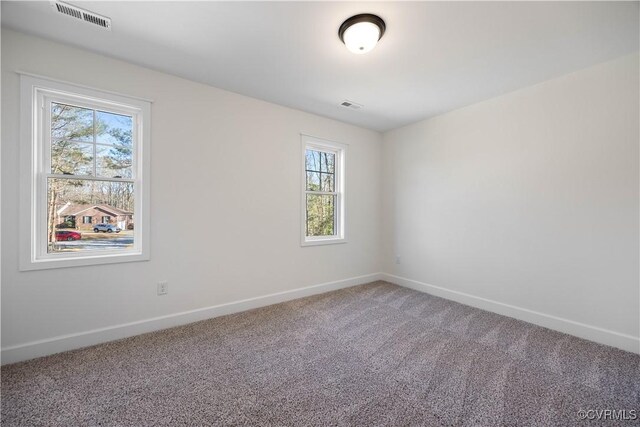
{"points": [[351, 104], [82, 14]]}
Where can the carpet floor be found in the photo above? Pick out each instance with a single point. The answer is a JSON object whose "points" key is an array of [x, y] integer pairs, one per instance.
{"points": [[370, 355]]}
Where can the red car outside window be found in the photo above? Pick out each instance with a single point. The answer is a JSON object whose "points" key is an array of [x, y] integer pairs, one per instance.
{"points": [[67, 235]]}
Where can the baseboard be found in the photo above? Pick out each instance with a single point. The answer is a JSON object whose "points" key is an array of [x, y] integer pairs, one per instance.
{"points": [[62, 343], [581, 330]]}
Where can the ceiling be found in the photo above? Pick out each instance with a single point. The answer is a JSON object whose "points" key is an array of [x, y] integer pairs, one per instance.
{"points": [[434, 56]]}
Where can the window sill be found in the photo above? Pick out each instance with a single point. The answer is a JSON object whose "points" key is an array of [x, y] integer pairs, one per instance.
{"points": [[50, 263], [327, 241]]}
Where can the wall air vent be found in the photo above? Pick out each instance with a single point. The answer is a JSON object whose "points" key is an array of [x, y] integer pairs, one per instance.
{"points": [[351, 104], [82, 14]]}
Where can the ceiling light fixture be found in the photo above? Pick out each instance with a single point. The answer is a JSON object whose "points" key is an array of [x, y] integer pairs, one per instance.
{"points": [[360, 33]]}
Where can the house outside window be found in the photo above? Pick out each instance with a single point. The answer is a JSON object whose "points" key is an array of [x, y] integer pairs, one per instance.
{"points": [[86, 156], [323, 184]]}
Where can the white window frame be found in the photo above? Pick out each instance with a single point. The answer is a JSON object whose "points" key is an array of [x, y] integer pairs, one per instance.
{"points": [[340, 151], [36, 94]]}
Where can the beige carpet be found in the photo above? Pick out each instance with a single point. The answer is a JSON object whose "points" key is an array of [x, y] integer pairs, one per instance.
{"points": [[371, 355]]}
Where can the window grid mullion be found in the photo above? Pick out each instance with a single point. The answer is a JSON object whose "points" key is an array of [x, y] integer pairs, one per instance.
{"points": [[75, 141], [322, 193], [95, 149], [320, 173], [88, 178], [307, 208]]}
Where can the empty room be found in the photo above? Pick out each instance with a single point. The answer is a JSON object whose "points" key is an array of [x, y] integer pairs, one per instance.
{"points": [[320, 213]]}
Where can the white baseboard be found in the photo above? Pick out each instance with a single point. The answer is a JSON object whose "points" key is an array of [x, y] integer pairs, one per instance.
{"points": [[31, 350], [581, 330]]}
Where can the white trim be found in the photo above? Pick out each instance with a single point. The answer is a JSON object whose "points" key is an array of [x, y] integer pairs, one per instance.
{"points": [[35, 92], [30, 350], [51, 79], [340, 150], [319, 241], [581, 330]]}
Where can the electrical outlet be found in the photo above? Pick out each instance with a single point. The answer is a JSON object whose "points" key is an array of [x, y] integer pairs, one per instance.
{"points": [[397, 259], [163, 288]]}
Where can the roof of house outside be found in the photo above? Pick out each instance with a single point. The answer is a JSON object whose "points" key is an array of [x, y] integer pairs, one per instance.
{"points": [[76, 209]]}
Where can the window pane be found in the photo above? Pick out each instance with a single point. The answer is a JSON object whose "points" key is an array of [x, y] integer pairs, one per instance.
{"points": [[70, 199], [327, 162], [313, 181], [68, 122], [312, 162], [113, 128], [113, 161], [327, 181], [71, 158], [320, 215]]}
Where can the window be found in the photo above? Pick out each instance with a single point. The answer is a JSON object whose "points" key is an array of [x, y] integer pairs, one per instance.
{"points": [[83, 149], [323, 191], [67, 222]]}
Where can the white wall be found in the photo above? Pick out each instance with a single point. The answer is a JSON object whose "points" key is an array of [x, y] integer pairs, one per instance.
{"points": [[225, 210], [526, 203], [528, 200]]}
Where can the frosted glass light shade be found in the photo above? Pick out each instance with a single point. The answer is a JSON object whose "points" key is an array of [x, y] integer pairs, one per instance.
{"points": [[361, 37], [361, 33]]}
